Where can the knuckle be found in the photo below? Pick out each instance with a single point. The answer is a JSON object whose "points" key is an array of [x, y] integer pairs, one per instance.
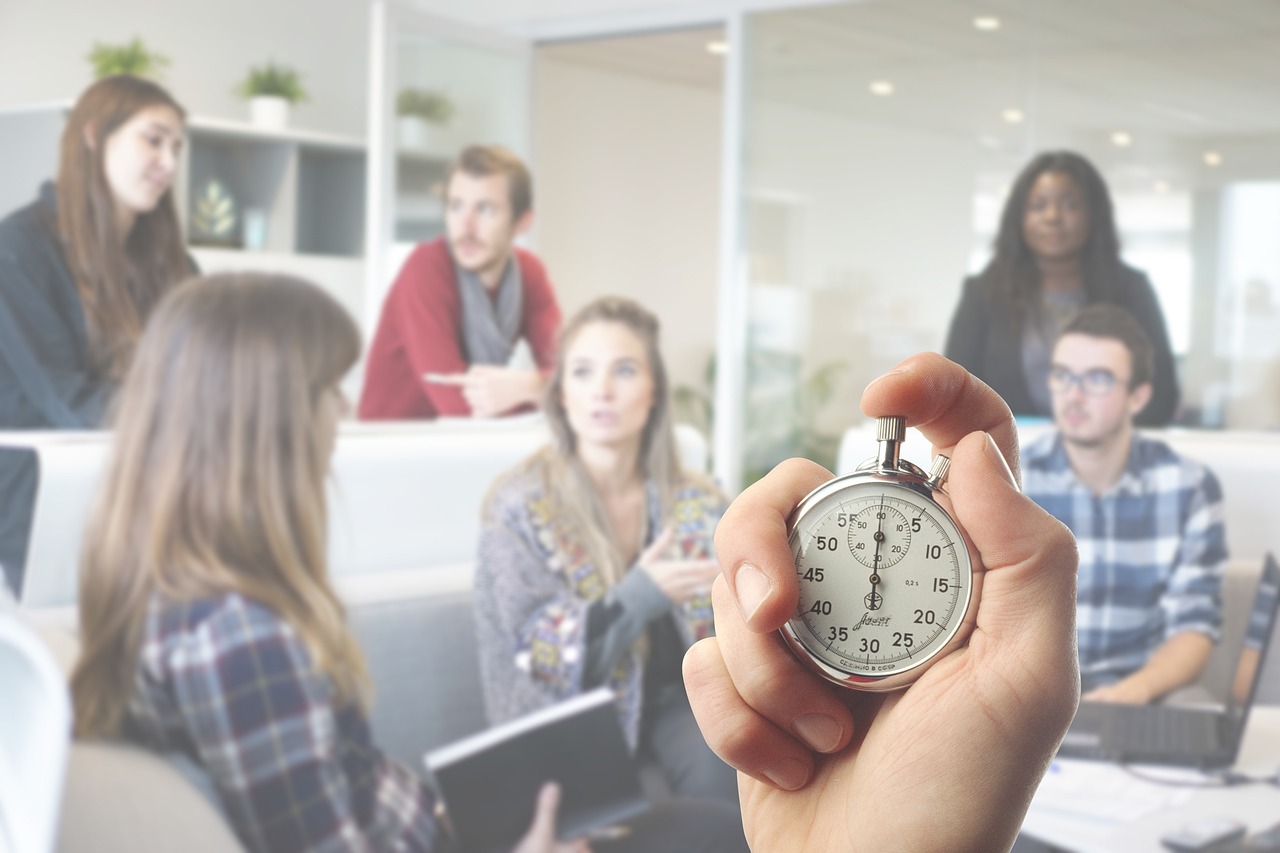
{"points": [[731, 738]]}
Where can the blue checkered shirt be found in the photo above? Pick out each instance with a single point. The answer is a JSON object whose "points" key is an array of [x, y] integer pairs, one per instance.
{"points": [[1152, 551], [227, 682]]}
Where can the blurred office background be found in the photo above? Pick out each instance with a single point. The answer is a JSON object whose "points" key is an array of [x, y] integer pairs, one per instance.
{"points": [[796, 189]]}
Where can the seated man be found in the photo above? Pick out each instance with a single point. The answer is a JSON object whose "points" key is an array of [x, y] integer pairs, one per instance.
{"points": [[1149, 524], [458, 307]]}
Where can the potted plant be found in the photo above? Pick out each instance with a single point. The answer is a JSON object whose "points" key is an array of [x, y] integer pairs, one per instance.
{"points": [[417, 110], [271, 89], [133, 58], [783, 410]]}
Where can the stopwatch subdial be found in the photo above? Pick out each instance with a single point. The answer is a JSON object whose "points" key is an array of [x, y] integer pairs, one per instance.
{"points": [[879, 536]]}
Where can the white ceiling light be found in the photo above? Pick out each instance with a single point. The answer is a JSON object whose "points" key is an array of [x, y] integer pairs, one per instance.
{"points": [[883, 88], [1212, 158], [1162, 186], [986, 23], [1120, 139], [718, 48], [1013, 116]]}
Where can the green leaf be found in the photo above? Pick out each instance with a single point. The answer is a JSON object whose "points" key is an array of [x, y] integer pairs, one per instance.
{"points": [[272, 80], [133, 58]]}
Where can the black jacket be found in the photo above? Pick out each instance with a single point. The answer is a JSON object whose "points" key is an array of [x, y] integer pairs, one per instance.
{"points": [[983, 340], [45, 382]]}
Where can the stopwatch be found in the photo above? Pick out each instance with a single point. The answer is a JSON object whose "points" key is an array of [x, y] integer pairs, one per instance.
{"points": [[886, 577]]}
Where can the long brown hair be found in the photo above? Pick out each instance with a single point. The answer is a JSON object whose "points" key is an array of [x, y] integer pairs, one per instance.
{"points": [[567, 483], [216, 481], [118, 287]]}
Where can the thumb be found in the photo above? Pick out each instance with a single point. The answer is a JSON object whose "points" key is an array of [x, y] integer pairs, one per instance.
{"points": [[659, 545], [542, 832], [1029, 556]]}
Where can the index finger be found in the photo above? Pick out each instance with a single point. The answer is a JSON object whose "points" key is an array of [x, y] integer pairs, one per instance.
{"points": [[446, 378], [659, 545], [945, 402]]}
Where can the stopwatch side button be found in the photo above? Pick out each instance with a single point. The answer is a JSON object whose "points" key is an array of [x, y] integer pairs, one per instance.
{"points": [[937, 474]]}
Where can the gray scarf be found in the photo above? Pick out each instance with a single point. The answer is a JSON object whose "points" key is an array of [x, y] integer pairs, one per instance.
{"points": [[490, 327]]}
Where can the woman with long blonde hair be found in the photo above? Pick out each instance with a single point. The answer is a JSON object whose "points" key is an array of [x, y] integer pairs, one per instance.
{"points": [[208, 623], [596, 561], [81, 268]]}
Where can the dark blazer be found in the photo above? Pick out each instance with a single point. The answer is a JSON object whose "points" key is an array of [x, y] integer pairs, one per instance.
{"points": [[982, 339], [45, 382]]}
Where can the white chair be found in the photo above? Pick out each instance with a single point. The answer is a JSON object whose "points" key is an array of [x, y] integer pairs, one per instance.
{"points": [[34, 735], [122, 798]]}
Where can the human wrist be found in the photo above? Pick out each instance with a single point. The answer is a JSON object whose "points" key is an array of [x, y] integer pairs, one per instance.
{"points": [[1140, 686], [639, 594], [533, 386]]}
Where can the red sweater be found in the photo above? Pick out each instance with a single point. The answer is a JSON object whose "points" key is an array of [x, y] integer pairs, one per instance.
{"points": [[420, 332]]}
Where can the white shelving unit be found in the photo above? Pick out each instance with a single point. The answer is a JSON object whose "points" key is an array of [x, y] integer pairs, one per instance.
{"points": [[29, 138], [311, 187], [419, 212]]}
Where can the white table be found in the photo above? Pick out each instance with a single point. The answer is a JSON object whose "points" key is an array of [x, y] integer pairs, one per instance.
{"points": [[1113, 811]]}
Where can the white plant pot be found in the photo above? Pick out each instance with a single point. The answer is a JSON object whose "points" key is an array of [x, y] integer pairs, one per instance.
{"points": [[269, 111], [413, 133]]}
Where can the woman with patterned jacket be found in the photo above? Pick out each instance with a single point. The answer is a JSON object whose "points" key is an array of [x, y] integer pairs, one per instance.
{"points": [[596, 559]]}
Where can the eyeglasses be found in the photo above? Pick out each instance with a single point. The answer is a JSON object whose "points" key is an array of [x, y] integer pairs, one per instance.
{"points": [[1096, 382]]}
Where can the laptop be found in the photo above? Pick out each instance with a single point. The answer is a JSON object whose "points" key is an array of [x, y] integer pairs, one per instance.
{"points": [[1204, 738]]}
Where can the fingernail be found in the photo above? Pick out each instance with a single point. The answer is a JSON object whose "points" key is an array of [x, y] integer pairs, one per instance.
{"points": [[897, 371], [820, 731], [997, 459], [752, 588], [789, 775]]}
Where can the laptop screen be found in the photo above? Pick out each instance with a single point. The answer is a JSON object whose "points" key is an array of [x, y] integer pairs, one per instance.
{"points": [[1257, 637]]}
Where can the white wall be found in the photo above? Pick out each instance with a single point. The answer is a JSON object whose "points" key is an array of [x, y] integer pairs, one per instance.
{"points": [[627, 193], [880, 240], [210, 44]]}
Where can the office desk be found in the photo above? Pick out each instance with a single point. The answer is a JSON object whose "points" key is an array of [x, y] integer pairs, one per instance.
{"points": [[1114, 811]]}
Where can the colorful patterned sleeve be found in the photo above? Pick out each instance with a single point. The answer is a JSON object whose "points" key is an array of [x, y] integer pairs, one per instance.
{"points": [[695, 513], [294, 773], [530, 609]]}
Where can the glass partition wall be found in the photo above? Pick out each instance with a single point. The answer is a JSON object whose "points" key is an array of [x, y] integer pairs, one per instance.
{"points": [[436, 86], [878, 141]]}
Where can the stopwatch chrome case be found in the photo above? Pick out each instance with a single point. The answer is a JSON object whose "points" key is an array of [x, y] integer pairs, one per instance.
{"points": [[886, 576]]}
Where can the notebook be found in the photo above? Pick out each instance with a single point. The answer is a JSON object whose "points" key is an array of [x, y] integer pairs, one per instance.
{"points": [[489, 782], [1189, 737]]}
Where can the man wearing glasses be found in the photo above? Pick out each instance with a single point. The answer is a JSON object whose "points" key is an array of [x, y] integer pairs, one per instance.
{"points": [[1149, 523]]}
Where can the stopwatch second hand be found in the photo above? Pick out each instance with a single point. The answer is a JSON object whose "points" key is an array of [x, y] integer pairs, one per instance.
{"points": [[873, 600], [879, 534]]}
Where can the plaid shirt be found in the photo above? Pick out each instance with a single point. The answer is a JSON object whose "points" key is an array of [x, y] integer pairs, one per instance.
{"points": [[1152, 551], [227, 682]]}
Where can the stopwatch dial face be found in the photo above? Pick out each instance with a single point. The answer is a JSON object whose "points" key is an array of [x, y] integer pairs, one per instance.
{"points": [[879, 536], [884, 579]]}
